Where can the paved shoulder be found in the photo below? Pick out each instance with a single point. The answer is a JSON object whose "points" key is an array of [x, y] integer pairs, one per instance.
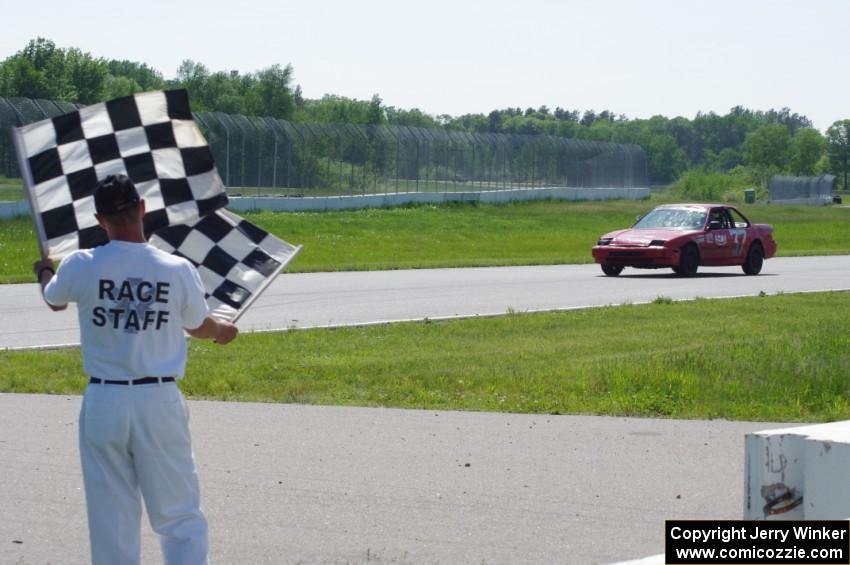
{"points": [[291, 483]]}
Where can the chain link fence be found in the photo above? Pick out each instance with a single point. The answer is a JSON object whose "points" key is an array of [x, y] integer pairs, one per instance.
{"points": [[811, 190], [266, 156]]}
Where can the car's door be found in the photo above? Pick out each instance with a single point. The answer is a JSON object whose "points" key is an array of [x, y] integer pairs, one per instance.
{"points": [[739, 233], [719, 242]]}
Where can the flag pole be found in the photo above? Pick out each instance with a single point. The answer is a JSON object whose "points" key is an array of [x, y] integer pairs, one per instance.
{"points": [[26, 176]]}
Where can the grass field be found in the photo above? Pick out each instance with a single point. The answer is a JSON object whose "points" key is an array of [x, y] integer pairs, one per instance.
{"points": [[463, 235], [779, 358]]}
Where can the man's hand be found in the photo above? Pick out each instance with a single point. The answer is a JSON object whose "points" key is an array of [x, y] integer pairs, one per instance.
{"points": [[227, 332], [42, 268], [216, 330]]}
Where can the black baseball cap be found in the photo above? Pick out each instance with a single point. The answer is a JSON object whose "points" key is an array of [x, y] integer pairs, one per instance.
{"points": [[114, 194]]}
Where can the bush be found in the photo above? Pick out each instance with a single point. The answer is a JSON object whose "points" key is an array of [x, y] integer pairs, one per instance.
{"points": [[698, 185]]}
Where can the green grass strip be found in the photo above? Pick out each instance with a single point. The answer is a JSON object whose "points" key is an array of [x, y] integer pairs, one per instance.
{"points": [[464, 235], [778, 358]]}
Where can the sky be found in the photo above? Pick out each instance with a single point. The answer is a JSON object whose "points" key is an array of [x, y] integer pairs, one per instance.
{"points": [[639, 58]]}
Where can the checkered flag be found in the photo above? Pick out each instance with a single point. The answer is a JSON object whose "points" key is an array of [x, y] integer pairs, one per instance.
{"points": [[151, 137], [235, 258]]}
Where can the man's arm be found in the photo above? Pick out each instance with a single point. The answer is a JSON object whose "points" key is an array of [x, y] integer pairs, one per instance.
{"points": [[216, 330], [45, 270]]}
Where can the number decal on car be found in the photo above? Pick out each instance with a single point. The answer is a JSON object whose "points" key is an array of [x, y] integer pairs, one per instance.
{"points": [[739, 238]]}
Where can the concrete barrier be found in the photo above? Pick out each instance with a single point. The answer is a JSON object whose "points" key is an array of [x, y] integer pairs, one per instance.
{"points": [[798, 473], [12, 209], [823, 200], [318, 203]]}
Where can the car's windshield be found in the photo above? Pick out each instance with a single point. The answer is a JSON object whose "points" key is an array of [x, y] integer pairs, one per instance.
{"points": [[673, 219]]}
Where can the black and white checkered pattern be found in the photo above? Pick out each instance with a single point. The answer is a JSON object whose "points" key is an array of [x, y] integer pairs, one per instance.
{"points": [[151, 137], [235, 258]]}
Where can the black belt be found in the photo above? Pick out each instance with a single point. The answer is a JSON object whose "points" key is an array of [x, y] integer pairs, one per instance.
{"points": [[134, 382]]}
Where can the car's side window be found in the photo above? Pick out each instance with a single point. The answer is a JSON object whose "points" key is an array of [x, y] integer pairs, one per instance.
{"points": [[738, 221], [717, 216]]}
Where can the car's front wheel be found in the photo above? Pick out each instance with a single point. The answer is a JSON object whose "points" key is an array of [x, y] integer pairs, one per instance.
{"points": [[755, 260], [688, 262], [612, 270]]}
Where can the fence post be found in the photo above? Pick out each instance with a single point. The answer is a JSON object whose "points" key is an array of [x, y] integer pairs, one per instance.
{"points": [[226, 147], [397, 151], [270, 122], [472, 142], [259, 153], [242, 167]]}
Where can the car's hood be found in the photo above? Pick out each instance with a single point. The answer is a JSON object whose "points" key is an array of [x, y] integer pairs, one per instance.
{"points": [[643, 237]]}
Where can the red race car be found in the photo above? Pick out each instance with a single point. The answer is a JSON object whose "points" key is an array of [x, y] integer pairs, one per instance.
{"points": [[685, 236]]}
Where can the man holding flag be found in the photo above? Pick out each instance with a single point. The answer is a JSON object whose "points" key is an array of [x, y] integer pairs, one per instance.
{"points": [[147, 252], [134, 302]]}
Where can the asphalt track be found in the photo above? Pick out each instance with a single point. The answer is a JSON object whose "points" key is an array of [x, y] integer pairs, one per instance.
{"points": [[332, 485], [350, 298], [285, 484]]}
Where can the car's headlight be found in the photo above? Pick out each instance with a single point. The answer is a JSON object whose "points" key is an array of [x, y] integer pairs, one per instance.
{"points": [[657, 243], [604, 241]]}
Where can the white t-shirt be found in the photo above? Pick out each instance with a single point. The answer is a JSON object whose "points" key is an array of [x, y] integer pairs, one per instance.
{"points": [[133, 302]]}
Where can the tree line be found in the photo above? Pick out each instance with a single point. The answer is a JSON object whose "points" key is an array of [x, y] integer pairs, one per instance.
{"points": [[743, 146]]}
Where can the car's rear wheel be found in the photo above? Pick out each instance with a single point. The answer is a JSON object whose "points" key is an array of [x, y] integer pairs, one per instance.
{"points": [[688, 262], [755, 259], [612, 270]]}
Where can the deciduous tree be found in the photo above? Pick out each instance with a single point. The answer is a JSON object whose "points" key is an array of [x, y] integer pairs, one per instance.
{"points": [[768, 146], [807, 146], [838, 137]]}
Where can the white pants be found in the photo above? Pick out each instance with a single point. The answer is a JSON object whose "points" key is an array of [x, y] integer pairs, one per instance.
{"points": [[135, 440]]}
